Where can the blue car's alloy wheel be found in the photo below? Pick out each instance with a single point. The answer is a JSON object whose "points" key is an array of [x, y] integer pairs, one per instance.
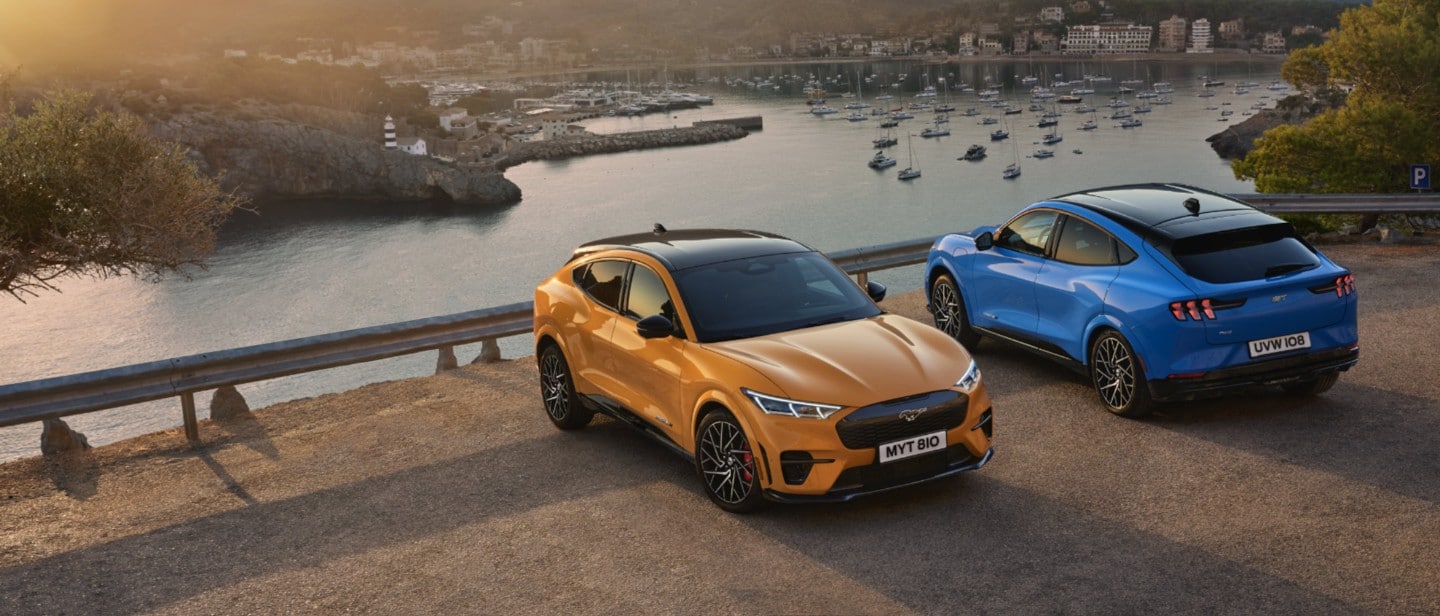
{"points": [[1118, 378], [949, 312]]}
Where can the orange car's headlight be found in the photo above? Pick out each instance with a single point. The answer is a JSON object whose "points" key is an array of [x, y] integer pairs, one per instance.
{"points": [[971, 378], [794, 408]]}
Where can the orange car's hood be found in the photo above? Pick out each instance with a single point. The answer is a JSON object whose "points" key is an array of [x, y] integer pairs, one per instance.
{"points": [[853, 363]]}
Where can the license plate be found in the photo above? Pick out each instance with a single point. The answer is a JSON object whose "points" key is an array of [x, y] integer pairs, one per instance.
{"points": [[1279, 344], [913, 446]]}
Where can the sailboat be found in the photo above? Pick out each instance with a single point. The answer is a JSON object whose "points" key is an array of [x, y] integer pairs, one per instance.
{"points": [[1012, 170], [859, 102], [885, 141], [938, 131], [910, 172]]}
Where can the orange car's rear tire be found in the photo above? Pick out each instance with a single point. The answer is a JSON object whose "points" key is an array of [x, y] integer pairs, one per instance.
{"points": [[557, 391], [726, 463]]}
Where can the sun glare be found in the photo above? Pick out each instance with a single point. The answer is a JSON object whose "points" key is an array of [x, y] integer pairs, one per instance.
{"points": [[55, 31]]}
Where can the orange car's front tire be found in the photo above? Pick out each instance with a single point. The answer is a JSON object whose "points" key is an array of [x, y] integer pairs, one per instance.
{"points": [[726, 462], [557, 391]]}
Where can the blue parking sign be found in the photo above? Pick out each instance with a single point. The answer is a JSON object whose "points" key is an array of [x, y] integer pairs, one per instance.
{"points": [[1420, 177]]}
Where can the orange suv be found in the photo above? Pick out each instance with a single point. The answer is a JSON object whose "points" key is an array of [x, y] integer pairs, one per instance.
{"points": [[759, 360]]}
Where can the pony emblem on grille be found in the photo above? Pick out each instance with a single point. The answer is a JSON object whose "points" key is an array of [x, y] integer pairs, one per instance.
{"points": [[911, 414]]}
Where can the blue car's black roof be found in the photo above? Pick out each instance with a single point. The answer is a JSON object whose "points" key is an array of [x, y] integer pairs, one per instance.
{"points": [[685, 248], [1158, 212]]}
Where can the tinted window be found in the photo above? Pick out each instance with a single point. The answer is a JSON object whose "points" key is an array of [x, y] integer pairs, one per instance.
{"points": [[648, 296], [1244, 254], [1082, 243], [1028, 233], [764, 295], [603, 281]]}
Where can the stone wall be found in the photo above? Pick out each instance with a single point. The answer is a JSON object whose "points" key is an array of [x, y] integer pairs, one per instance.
{"points": [[584, 145]]}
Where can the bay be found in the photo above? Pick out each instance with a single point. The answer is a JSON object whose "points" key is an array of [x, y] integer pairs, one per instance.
{"points": [[298, 269]]}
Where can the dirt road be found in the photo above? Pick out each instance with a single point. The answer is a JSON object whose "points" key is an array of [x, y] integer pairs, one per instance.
{"points": [[453, 494]]}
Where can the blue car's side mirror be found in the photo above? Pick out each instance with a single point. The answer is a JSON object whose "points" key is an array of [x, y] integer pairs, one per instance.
{"points": [[985, 241]]}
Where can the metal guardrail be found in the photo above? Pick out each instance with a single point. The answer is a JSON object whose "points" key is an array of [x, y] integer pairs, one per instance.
{"points": [[182, 377], [1392, 203]]}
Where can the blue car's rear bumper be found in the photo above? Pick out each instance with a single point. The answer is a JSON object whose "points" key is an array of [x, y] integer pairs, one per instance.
{"points": [[1272, 372]]}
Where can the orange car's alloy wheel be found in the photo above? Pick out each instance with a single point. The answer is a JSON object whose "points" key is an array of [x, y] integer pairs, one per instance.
{"points": [[727, 464], [558, 392]]}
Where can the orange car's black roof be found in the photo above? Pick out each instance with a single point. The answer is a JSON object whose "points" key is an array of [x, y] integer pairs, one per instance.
{"points": [[685, 248]]}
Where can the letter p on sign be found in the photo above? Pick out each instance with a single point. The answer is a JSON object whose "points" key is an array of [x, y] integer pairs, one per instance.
{"points": [[1420, 177]]}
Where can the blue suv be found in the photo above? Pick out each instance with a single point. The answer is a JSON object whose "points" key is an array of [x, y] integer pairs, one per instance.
{"points": [[1156, 292]]}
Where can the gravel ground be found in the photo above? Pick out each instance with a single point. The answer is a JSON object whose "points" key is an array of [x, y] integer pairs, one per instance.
{"points": [[454, 494]]}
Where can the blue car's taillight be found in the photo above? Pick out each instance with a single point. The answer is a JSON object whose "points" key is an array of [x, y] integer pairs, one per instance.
{"points": [[1195, 309], [1342, 286], [1202, 309]]}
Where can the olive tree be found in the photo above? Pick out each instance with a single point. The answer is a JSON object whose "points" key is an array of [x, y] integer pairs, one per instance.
{"points": [[90, 192], [1388, 57]]}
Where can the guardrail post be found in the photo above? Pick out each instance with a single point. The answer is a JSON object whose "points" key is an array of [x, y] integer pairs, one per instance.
{"points": [[863, 278], [489, 352], [57, 438], [446, 360], [187, 408], [227, 404]]}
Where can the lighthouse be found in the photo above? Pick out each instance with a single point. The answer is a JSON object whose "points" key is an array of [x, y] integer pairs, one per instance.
{"points": [[389, 133]]}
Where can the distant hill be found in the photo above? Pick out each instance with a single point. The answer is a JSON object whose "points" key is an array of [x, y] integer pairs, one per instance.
{"points": [[47, 33]]}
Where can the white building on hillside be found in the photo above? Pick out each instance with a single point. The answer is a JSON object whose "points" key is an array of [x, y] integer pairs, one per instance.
{"points": [[1106, 39], [412, 145], [1172, 34], [1201, 40]]}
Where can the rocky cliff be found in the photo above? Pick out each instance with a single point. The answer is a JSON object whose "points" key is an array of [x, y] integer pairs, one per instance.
{"points": [[272, 156], [1239, 139]]}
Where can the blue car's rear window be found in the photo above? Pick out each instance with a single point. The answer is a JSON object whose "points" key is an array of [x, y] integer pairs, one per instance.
{"points": [[1251, 253]]}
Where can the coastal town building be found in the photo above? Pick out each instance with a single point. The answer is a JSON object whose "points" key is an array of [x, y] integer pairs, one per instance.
{"points": [[1200, 37], [965, 44], [1171, 35], [412, 145], [1021, 42], [1052, 14], [1232, 30], [1106, 39], [1044, 42], [1272, 42], [559, 129], [1080, 7]]}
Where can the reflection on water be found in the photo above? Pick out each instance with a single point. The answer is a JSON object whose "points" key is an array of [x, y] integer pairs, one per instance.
{"points": [[303, 268]]}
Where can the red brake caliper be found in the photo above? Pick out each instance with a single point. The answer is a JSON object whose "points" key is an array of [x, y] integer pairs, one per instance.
{"points": [[748, 462]]}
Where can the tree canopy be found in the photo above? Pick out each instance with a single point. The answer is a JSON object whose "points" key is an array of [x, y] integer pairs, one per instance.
{"points": [[90, 192], [1388, 57]]}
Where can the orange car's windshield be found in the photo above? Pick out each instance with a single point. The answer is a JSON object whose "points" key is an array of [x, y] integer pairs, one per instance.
{"points": [[763, 295]]}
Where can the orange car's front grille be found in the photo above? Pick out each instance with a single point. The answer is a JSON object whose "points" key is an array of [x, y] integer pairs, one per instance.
{"points": [[888, 421], [876, 476]]}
